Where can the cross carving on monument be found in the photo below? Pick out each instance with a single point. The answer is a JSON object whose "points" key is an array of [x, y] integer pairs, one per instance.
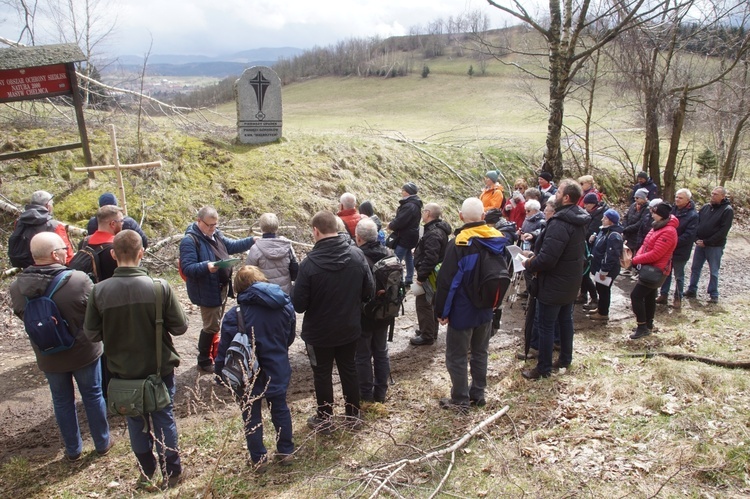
{"points": [[118, 168]]}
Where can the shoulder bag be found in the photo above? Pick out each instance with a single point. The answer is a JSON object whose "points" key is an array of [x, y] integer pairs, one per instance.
{"points": [[138, 397], [651, 276]]}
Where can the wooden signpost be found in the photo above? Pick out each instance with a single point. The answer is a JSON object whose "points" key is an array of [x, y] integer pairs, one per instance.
{"points": [[118, 168], [40, 72]]}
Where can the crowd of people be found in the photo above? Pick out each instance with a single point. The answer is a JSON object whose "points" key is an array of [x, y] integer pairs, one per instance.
{"points": [[574, 246]]}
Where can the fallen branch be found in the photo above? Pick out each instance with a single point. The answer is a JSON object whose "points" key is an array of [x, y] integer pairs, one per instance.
{"points": [[391, 469], [686, 356]]}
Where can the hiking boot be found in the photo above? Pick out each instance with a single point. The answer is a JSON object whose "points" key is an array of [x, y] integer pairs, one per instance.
{"points": [[640, 332], [713, 299], [260, 466], [354, 423], [662, 300], [206, 369], [677, 303], [324, 426], [448, 404], [107, 448], [599, 317], [626, 273], [146, 483], [172, 481], [533, 374], [73, 458], [477, 402], [419, 341], [533, 353], [284, 459], [689, 294], [581, 299], [591, 305]]}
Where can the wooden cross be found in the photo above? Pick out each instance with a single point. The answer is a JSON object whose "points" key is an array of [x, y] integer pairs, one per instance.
{"points": [[118, 168]]}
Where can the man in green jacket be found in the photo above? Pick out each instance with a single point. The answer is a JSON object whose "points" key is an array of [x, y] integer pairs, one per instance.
{"points": [[122, 313]]}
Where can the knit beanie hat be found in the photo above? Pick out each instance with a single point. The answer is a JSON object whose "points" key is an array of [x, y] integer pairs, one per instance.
{"points": [[643, 175], [492, 175], [655, 202], [366, 208], [410, 188], [107, 199], [546, 176], [663, 210], [591, 198], [641, 193], [613, 216]]}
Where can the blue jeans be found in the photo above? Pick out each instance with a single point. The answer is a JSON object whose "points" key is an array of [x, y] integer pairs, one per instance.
{"points": [[712, 254], [534, 343], [160, 428], [407, 257], [282, 421], [372, 353], [548, 316], [89, 381], [458, 342], [678, 269]]}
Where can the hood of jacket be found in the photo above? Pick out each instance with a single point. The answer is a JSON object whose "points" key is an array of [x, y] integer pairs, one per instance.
{"points": [[264, 294], [35, 215], [33, 281], [481, 233], [612, 228], [331, 253], [411, 199], [439, 225], [274, 248], [573, 214], [539, 215]]}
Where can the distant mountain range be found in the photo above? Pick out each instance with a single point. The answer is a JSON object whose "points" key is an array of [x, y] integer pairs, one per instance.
{"points": [[199, 65]]}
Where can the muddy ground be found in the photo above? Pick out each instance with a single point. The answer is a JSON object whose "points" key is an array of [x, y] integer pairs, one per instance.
{"points": [[28, 429]]}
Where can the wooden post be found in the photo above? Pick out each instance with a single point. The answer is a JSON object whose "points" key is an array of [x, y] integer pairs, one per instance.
{"points": [[118, 168], [71, 70]]}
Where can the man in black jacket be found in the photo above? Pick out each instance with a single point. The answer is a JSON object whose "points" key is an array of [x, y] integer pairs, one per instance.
{"points": [[406, 227], [558, 266], [645, 182], [429, 252], [714, 221], [684, 210], [333, 282]]}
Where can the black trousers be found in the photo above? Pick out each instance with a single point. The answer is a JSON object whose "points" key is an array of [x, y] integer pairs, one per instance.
{"points": [[321, 361], [643, 301]]}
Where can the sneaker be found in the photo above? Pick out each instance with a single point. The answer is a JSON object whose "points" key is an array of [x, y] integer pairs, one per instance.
{"points": [[689, 294], [591, 305], [533, 353], [557, 365], [713, 299], [73, 458], [662, 300], [324, 426], [448, 404], [640, 332], [206, 369], [106, 449], [626, 273], [533, 374], [420, 341], [599, 317], [284, 459]]}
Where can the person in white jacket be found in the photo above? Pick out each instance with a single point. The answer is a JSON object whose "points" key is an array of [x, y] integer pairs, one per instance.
{"points": [[274, 254]]}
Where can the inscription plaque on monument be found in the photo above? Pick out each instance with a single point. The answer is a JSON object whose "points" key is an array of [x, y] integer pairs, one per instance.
{"points": [[258, 93]]}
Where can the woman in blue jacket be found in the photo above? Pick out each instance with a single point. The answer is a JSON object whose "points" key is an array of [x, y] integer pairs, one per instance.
{"points": [[270, 321], [605, 262]]}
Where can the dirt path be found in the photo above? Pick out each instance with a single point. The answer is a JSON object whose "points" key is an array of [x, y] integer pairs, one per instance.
{"points": [[27, 425]]}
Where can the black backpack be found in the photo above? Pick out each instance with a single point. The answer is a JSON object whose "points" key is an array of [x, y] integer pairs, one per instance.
{"points": [[43, 322], [490, 279], [88, 261], [19, 243], [389, 289], [240, 363]]}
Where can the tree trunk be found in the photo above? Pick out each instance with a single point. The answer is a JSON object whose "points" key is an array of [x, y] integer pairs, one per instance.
{"points": [[678, 121], [651, 146], [730, 162]]}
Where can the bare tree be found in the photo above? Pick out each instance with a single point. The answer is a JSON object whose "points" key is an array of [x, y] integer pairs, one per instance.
{"points": [[26, 11], [572, 31]]}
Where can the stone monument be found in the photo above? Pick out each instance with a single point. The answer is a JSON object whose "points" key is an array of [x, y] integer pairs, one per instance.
{"points": [[258, 93]]}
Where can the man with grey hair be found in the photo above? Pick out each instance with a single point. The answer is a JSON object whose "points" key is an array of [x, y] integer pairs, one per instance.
{"points": [[684, 210], [348, 212], [36, 218], [208, 283], [429, 252], [468, 325], [714, 221], [80, 361], [274, 254], [372, 347]]}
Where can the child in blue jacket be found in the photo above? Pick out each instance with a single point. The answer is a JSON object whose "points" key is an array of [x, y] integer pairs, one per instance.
{"points": [[269, 319]]}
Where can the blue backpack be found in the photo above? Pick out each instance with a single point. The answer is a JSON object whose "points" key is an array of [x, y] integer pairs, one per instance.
{"points": [[43, 322]]}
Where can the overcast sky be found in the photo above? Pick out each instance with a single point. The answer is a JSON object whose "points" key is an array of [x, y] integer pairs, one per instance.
{"points": [[212, 28]]}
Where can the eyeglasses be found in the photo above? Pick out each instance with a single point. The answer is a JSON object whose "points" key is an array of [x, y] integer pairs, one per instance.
{"points": [[121, 220], [210, 226]]}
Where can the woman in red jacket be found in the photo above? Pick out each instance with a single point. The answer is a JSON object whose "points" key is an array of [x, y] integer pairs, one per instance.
{"points": [[656, 250]]}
